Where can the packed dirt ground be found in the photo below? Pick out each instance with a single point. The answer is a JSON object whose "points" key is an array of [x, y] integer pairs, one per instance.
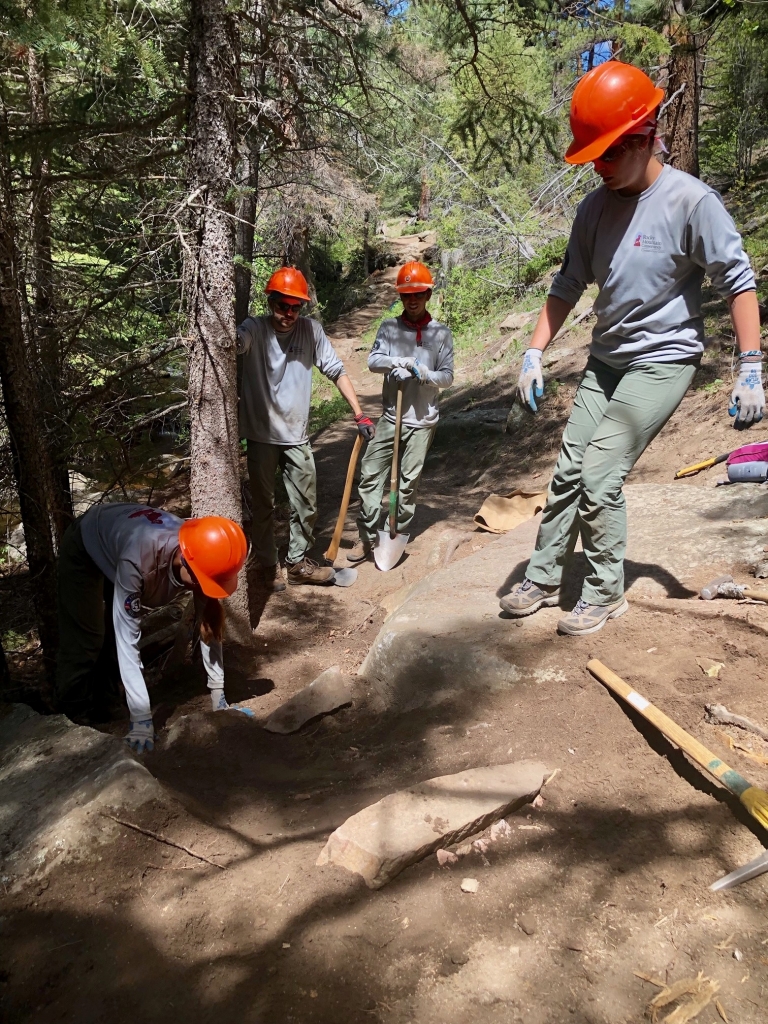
{"points": [[604, 882]]}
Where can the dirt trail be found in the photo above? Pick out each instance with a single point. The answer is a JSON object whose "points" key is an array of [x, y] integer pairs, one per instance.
{"points": [[608, 877]]}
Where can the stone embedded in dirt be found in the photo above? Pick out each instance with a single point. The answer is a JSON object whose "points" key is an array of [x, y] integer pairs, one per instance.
{"points": [[446, 857], [515, 321], [331, 690], [527, 923], [403, 828], [469, 885], [501, 829], [198, 729]]}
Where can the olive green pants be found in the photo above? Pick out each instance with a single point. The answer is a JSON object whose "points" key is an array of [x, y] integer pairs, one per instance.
{"points": [[376, 469], [616, 414], [297, 465], [87, 671]]}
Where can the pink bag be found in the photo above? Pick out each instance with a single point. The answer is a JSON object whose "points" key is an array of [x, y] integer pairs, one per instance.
{"points": [[748, 464]]}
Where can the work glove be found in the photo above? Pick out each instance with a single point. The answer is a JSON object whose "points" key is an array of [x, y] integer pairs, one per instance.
{"points": [[141, 736], [219, 703], [748, 397], [399, 374], [404, 361], [365, 427], [530, 383], [421, 373]]}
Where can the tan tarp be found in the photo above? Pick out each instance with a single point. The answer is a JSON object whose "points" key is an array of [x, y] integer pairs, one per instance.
{"points": [[503, 512]]}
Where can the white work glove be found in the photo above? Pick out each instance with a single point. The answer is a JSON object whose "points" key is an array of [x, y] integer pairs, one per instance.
{"points": [[399, 374], [421, 373], [530, 383], [405, 361], [141, 736], [748, 397], [219, 703]]}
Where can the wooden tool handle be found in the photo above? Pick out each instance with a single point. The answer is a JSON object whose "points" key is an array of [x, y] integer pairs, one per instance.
{"points": [[718, 769], [755, 595], [394, 474], [707, 464], [333, 547]]}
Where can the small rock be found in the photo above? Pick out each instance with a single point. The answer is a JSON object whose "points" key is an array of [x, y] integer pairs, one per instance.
{"points": [[459, 957], [464, 850], [313, 993], [538, 802], [405, 923], [469, 885], [480, 846], [331, 690], [710, 667], [527, 923], [286, 945], [514, 951], [446, 857], [500, 829], [92, 889], [738, 955]]}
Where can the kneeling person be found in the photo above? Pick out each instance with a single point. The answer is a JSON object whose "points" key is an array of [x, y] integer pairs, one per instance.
{"points": [[145, 556], [415, 353]]}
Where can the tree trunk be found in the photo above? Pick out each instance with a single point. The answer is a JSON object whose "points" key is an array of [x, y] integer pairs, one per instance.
{"points": [[244, 232], [44, 332], [5, 675], [22, 413], [366, 245], [210, 278], [682, 115], [297, 255]]}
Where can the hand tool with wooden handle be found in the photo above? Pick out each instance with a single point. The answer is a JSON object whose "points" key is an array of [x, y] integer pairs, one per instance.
{"points": [[726, 586], [391, 544], [333, 547], [707, 464], [755, 800]]}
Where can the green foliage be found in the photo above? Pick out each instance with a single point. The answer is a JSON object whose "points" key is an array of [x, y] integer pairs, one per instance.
{"points": [[327, 411], [548, 256]]}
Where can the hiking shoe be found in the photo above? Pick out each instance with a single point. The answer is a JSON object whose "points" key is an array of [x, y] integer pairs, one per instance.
{"points": [[271, 578], [527, 597], [588, 618], [361, 552], [307, 571]]}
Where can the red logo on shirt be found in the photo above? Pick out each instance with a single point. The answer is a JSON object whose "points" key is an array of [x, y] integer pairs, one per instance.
{"points": [[639, 240], [154, 517]]}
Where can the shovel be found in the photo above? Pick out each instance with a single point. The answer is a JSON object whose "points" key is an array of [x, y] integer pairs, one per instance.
{"points": [[391, 544], [344, 577]]}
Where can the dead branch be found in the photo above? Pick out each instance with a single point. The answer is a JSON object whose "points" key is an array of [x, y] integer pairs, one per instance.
{"points": [[162, 839]]}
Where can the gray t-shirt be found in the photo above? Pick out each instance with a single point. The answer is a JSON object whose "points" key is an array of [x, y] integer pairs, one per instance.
{"points": [[277, 378], [648, 254], [394, 341]]}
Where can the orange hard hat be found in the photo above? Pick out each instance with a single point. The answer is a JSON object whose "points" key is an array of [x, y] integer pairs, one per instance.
{"points": [[215, 550], [414, 277], [608, 102], [289, 281]]}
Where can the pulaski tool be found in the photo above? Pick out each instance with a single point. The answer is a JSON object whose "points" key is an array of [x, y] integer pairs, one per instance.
{"points": [[726, 586], [755, 800]]}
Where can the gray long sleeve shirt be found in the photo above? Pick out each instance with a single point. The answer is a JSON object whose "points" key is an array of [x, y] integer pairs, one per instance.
{"points": [[134, 545], [395, 342], [276, 387], [648, 254]]}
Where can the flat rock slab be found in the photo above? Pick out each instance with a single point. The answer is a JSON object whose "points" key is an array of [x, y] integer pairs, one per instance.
{"points": [[403, 828], [331, 690], [56, 779]]}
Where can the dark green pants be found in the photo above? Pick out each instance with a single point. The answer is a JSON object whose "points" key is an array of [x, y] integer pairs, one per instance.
{"points": [[87, 672], [297, 465]]}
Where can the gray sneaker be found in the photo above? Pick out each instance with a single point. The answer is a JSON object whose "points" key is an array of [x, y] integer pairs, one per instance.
{"points": [[588, 618], [527, 597]]}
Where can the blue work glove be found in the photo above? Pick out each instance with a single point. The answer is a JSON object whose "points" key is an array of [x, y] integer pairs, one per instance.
{"points": [[141, 736], [421, 373], [748, 397], [399, 374], [219, 703], [530, 383]]}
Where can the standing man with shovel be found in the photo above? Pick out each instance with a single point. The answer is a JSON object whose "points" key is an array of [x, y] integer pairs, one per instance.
{"points": [[278, 354], [415, 354]]}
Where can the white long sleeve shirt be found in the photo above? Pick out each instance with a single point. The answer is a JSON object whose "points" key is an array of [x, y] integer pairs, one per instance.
{"points": [[134, 546], [395, 341], [648, 254], [276, 388]]}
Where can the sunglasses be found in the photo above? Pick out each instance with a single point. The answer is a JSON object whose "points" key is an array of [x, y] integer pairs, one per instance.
{"points": [[186, 565], [614, 153], [287, 307]]}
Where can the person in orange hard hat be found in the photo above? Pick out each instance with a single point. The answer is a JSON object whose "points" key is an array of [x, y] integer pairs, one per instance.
{"points": [[415, 353], [278, 353], [647, 236], [127, 558]]}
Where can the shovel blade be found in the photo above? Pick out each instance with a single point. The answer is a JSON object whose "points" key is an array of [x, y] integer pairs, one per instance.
{"points": [[389, 550], [756, 867], [344, 577]]}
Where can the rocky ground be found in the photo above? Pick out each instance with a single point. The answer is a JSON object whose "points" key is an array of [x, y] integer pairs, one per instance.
{"points": [[599, 886]]}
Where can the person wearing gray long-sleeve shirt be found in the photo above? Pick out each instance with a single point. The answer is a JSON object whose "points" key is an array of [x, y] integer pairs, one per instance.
{"points": [[278, 352], [647, 237], [415, 355]]}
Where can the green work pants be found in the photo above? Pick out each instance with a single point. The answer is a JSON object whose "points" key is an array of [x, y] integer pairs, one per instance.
{"points": [[616, 415], [86, 664], [297, 465], [375, 473]]}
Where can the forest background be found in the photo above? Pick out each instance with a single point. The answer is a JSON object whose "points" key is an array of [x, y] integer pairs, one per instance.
{"points": [[158, 159]]}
